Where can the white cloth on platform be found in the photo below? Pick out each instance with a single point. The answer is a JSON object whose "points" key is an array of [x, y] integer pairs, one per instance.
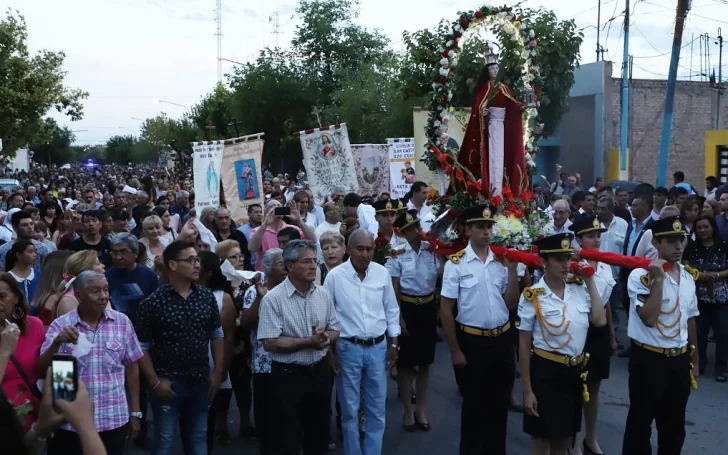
{"points": [[496, 117]]}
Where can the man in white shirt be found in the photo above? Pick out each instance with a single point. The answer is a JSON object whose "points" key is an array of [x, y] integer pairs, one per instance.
{"points": [[612, 242], [659, 199], [561, 214], [332, 221], [418, 199], [367, 347], [365, 213], [711, 186], [645, 248]]}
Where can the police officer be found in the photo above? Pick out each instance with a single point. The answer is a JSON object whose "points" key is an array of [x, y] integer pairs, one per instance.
{"points": [[414, 270], [555, 316], [480, 345], [663, 305], [601, 342], [385, 212]]}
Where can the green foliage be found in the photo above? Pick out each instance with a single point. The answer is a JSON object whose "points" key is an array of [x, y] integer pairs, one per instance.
{"points": [[54, 145], [31, 85], [120, 149], [215, 109], [161, 134]]}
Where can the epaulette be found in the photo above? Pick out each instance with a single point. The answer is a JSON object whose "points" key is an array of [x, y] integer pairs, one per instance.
{"points": [[455, 258], [575, 280], [396, 253], [693, 272], [646, 280], [531, 294]]}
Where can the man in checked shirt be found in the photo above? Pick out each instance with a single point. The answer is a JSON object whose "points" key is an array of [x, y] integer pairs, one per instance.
{"points": [[110, 362]]}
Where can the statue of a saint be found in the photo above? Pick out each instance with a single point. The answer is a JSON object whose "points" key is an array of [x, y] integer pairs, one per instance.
{"points": [[493, 141]]}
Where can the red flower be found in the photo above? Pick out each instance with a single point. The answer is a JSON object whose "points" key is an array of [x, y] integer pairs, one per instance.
{"points": [[474, 186], [458, 34], [507, 213], [442, 79], [526, 195], [442, 158], [455, 43], [445, 53], [532, 43], [497, 201], [508, 194], [444, 99], [465, 22], [448, 169], [517, 213], [478, 14], [459, 175]]}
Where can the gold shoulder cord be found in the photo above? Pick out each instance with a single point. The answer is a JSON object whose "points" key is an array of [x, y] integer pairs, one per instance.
{"points": [[646, 281], [532, 296]]}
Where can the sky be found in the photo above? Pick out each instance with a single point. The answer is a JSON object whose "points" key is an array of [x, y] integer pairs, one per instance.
{"points": [[128, 54]]}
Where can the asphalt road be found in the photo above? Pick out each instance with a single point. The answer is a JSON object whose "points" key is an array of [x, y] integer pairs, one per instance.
{"points": [[707, 417]]}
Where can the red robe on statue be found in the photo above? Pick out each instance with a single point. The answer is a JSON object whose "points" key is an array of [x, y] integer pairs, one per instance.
{"points": [[474, 149]]}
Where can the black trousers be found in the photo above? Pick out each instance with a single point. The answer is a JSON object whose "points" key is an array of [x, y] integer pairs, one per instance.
{"points": [[301, 407], [263, 411], [486, 383], [659, 388], [219, 403], [65, 442], [713, 316]]}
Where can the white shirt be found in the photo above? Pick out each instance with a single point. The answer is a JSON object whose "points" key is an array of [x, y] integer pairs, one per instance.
{"points": [[564, 228], [478, 287], [710, 194], [574, 310], [655, 215], [604, 279], [311, 221], [645, 248], [397, 242], [671, 292], [417, 272], [613, 240], [367, 218], [367, 308], [421, 213], [326, 227]]}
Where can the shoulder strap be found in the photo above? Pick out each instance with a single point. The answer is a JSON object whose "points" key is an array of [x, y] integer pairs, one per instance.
{"points": [[32, 387]]}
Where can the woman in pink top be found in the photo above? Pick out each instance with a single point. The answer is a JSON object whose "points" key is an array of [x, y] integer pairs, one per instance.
{"points": [[20, 344]]}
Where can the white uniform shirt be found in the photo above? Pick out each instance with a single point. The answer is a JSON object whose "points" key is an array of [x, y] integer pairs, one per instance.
{"points": [[367, 308], [671, 291], [397, 242], [604, 280], [478, 288], [417, 272], [575, 307]]}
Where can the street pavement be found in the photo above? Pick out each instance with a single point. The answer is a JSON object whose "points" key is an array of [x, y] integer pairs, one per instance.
{"points": [[707, 417]]}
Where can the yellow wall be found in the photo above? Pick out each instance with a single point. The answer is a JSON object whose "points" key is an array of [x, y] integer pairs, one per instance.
{"points": [[613, 165], [713, 138]]}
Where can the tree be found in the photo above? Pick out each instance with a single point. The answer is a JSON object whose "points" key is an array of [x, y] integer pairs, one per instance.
{"points": [[162, 134], [120, 149], [215, 109], [55, 145], [31, 86]]}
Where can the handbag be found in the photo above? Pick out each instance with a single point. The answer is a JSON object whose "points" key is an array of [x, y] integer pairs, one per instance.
{"points": [[32, 387]]}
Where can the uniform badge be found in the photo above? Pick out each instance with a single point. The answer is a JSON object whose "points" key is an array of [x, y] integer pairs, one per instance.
{"points": [[409, 218], [388, 205], [486, 213], [565, 244], [596, 223], [677, 226]]}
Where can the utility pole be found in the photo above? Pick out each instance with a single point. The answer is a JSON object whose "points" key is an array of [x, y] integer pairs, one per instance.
{"points": [[275, 20], [599, 24], [218, 19], [720, 78], [625, 99], [683, 6]]}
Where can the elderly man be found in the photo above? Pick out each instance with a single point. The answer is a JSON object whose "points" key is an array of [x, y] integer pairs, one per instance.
{"points": [[33, 195], [297, 324], [224, 229], [561, 214], [177, 324], [266, 236], [181, 206], [107, 351], [367, 306]]}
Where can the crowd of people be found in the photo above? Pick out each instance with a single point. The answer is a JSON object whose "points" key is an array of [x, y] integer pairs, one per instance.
{"points": [[176, 311]]}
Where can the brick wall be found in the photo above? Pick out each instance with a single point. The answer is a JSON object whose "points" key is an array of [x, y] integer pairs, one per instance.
{"points": [[695, 107]]}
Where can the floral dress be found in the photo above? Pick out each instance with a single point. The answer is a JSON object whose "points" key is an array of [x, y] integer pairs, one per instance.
{"points": [[709, 259], [261, 361]]}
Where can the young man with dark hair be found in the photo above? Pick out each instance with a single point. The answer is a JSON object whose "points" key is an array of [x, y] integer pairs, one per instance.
{"points": [[353, 207], [287, 234], [659, 199], [622, 208], [711, 186], [92, 238], [25, 229]]}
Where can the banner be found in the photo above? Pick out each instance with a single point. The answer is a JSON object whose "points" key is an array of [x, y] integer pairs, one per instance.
{"points": [[206, 164], [455, 131], [402, 166], [328, 161], [372, 168], [242, 178]]}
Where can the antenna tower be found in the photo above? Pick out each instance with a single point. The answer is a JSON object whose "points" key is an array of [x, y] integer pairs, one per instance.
{"points": [[218, 20], [275, 20]]}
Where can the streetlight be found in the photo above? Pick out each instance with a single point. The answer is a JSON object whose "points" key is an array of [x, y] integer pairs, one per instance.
{"points": [[157, 101], [137, 118]]}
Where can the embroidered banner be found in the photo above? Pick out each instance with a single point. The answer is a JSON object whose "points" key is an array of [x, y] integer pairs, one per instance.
{"points": [[402, 164], [372, 168], [206, 164], [242, 178], [328, 161]]}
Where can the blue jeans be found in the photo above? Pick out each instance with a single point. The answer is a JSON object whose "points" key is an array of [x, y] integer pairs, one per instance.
{"points": [[364, 366], [192, 405]]}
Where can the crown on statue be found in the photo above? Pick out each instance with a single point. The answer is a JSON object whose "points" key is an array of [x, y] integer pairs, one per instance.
{"points": [[490, 56]]}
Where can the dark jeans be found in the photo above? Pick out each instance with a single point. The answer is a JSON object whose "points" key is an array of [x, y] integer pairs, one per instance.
{"points": [[263, 411], [65, 442], [715, 316], [302, 401], [192, 405], [221, 402]]}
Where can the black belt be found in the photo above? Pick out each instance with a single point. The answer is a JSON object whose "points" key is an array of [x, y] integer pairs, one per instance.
{"points": [[299, 366], [366, 341]]}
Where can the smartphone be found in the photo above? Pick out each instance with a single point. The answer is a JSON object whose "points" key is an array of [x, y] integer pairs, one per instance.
{"points": [[64, 374], [281, 211]]}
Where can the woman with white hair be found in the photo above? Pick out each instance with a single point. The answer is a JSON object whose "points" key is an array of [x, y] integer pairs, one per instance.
{"points": [[154, 241], [332, 250], [275, 274]]}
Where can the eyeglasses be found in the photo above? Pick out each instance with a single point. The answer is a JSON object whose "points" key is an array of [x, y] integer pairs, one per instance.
{"points": [[119, 252], [193, 260], [307, 261], [237, 257]]}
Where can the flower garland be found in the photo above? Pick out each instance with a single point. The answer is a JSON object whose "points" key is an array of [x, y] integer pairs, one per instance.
{"points": [[382, 249], [514, 33]]}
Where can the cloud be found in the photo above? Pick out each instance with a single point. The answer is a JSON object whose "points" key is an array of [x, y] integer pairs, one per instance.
{"points": [[197, 16], [251, 13], [287, 10]]}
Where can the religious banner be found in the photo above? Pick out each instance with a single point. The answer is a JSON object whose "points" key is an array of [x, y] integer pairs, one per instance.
{"points": [[206, 163], [402, 166], [242, 177], [455, 132], [328, 160], [372, 168]]}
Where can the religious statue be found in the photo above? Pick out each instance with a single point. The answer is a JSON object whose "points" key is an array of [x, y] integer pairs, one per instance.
{"points": [[493, 143], [213, 181]]}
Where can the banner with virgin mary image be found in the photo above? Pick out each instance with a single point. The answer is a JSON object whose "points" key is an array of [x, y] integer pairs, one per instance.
{"points": [[206, 163], [242, 178], [372, 168], [328, 160]]}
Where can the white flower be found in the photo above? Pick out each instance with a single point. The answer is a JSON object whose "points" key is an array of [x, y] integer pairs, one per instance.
{"points": [[443, 72], [448, 44], [522, 27], [502, 15], [445, 120], [434, 85], [451, 233], [443, 61], [458, 28], [437, 124], [508, 29], [454, 62], [449, 95], [439, 108], [531, 34], [450, 54]]}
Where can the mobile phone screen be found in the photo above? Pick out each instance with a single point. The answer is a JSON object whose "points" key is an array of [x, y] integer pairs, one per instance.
{"points": [[282, 211], [64, 379]]}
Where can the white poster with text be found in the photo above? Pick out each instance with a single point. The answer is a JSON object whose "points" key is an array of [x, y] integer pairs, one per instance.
{"points": [[206, 164], [401, 166]]}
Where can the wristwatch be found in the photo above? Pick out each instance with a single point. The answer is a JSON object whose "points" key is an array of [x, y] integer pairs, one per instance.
{"points": [[138, 415]]}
